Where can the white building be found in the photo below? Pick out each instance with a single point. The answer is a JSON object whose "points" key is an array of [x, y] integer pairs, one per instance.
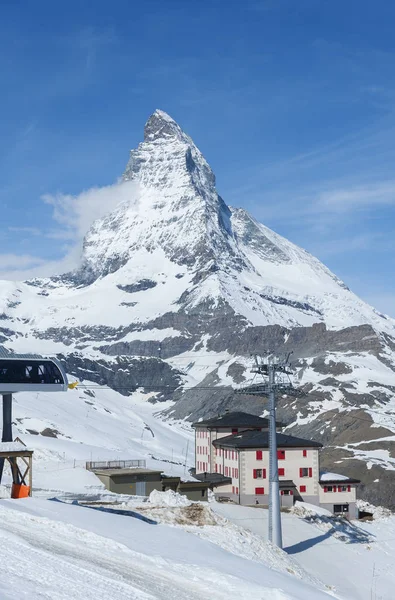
{"points": [[232, 451]]}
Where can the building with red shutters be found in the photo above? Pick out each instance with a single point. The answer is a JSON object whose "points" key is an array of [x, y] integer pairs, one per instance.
{"points": [[233, 451]]}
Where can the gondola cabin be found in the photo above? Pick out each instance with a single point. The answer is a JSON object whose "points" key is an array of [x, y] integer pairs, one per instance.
{"points": [[24, 373]]}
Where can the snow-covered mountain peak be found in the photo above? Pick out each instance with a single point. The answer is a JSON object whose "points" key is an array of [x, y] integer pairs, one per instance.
{"points": [[168, 159], [160, 125]]}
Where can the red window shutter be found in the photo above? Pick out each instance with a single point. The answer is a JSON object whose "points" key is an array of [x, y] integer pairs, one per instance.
{"points": [[281, 454], [215, 469], [259, 454], [325, 489], [282, 492], [237, 490], [233, 489], [334, 489], [304, 452], [349, 488], [264, 473], [254, 474], [302, 488], [281, 472], [300, 472], [259, 490], [237, 473], [291, 493], [310, 472]]}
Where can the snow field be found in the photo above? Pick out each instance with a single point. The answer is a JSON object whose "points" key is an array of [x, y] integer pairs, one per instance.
{"points": [[73, 552]]}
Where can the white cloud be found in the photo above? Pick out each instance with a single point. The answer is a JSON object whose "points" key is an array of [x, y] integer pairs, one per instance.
{"points": [[19, 261], [75, 215], [348, 199], [28, 230]]}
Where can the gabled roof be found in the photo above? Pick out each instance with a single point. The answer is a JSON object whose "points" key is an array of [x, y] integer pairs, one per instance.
{"points": [[234, 419], [260, 439]]}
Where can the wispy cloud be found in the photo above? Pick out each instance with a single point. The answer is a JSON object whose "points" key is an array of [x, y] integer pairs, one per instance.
{"points": [[28, 230], [362, 196], [76, 213], [72, 217]]}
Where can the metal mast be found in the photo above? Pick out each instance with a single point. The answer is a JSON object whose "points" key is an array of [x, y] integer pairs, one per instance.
{"points": [[275, 373]]}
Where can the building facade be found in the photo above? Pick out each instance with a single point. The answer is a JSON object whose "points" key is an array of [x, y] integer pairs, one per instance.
{"points": [[236, 447]]}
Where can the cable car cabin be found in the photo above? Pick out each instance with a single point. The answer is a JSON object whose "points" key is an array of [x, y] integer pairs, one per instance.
{"points": [[23, 374]]}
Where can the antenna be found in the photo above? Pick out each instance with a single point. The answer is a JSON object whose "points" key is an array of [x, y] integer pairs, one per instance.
{"points": [[275, 377]]}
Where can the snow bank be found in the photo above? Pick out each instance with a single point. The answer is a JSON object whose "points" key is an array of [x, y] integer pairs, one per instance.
{"points": [[304, 509], [378, 512], [168, 498]]}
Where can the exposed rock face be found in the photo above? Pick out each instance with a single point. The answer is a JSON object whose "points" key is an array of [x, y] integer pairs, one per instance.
{"points": [[176, 290]]}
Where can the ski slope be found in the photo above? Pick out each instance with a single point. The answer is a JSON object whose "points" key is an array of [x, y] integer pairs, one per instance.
{"points": [[57, 551]]}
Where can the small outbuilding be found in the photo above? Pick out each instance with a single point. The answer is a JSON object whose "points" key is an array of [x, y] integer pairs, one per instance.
{"points": [[133, 481]]}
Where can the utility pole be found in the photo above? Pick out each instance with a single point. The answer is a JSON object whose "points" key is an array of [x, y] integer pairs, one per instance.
{"points": [[275, 374]]}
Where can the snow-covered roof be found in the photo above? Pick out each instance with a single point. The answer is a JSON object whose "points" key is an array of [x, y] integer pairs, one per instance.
{"points": [[324, 476], [13, 447]]}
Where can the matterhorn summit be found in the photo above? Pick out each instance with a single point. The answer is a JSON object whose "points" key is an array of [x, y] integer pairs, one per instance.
{"points": [[175, 291]]}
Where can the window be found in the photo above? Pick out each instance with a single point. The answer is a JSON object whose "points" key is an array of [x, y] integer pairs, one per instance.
{"points": [[342, 488], [233, 455], [328, 488], [302, 489], [234, 431], [340, 508], [287, 493], [281, 472], [305, 472], [281, 454], [226, 471], [304, 452], [259, 473], [203, 493], [259, 454], [259, 491]]}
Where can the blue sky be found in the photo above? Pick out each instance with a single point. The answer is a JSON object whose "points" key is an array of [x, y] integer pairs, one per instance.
{"points": [[292, 104]]}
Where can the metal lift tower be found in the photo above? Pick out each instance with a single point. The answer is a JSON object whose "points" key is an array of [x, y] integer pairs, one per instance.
{"points": [[275, 377]]}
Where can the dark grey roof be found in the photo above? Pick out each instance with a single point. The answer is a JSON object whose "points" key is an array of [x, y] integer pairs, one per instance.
{"points": [[213, 478], [339, 481], [286, 484], [260, 439], [234, 419]]}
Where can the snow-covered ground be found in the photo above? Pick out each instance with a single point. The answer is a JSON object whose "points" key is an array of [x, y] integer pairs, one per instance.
{"points": [[58, 551], [69, 551], [97, 425], [356, 559]]}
